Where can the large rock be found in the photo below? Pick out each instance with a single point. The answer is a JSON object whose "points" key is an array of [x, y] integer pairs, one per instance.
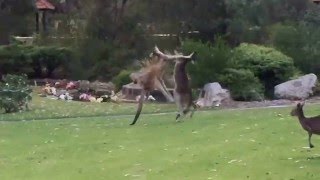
{"points": [[101, 88], [213, 95], [84, 85], [300, 88]]}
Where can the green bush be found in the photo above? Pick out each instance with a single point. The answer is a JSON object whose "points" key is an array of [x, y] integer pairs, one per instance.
{"points": [[121, 79], [14, 93], [211, 60], [14, 59], [271, 66], [243, 85], [33, 60], [301, 43], [48, 58]]}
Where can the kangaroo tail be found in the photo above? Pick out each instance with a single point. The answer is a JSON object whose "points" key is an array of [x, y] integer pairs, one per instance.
{"points": [[142, 96]]}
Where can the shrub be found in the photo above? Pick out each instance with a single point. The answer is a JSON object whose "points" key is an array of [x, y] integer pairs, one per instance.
{"points": [[211, 60], [14, 93], [14, 59], [301, 42], [269, 65], [243, 85], [121, 79], [33, 60], [48, 58]]}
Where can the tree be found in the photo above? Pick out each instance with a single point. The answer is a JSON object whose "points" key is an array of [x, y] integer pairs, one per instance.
{"points": [[16, 18], [251, 19], [113, 41], [207, 17]]}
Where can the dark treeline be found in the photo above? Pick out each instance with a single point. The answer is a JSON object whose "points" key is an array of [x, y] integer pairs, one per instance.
{"points": [[108, 36]]}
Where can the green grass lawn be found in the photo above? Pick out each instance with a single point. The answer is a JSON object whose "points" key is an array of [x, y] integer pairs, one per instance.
{"points": [[217, 144], [45, 108]]}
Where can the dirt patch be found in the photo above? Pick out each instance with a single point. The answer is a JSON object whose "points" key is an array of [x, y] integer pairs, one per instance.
{"points": [[266, 103]]}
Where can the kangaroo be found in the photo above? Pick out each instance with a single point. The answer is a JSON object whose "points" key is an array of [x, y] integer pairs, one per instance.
{"points": [[182, 90], [149, 79], [310, 124]]}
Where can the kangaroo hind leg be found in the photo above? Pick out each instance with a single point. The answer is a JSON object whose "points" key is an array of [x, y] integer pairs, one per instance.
{"points": [[178, 99]]}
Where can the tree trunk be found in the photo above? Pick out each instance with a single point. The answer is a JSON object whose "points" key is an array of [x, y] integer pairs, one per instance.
{"points": [[37, 22]]}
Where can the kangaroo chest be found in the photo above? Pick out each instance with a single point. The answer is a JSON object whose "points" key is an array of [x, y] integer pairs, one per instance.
{"points": [[181, 78]]}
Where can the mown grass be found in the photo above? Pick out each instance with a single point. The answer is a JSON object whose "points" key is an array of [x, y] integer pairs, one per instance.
{"points": [[219, 144], [45, 108]]}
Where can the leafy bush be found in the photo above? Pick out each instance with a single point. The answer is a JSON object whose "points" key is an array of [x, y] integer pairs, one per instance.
{"points": [[33, 60], [211, 60], [269, 65], [14, 59], [14, 93], [48, 58], [243, 85], [301, 43], [121, 79]]}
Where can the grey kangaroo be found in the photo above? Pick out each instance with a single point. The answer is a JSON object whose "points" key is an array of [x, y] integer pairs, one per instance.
{"points": [[182, 90], [310, 124]]}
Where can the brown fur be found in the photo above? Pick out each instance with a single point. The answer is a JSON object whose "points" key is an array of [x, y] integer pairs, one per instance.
{"points": [[182, 90], [149, 79], [309, 124]]}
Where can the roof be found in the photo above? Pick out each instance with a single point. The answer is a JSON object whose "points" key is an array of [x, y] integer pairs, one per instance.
{"points": [[44, 5]]}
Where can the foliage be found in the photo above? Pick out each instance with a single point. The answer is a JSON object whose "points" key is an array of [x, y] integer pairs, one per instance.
{"points": [[269, 65], [242, 84], [49, 58], [16, 18], [251, 19], [300, 41], [114, 40], [121, 79], [15, 93], [36, 61], [14, 59], [211, 60], [207, 17]]}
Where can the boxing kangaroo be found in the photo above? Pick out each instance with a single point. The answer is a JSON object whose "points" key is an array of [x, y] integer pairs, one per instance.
{"points": [[182, 90], [150, 79]]}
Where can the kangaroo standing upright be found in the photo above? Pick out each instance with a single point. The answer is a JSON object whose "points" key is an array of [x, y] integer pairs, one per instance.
{"points": [[310, 124], [182, 90]]}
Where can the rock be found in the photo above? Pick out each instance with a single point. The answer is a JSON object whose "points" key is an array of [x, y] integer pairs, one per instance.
{"points": [[300, 88], [101, 88], [60, 92], [213, 95], [84, 85]]}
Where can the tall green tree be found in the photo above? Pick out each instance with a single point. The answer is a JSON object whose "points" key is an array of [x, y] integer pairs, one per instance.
{"points": [[113, 39]]}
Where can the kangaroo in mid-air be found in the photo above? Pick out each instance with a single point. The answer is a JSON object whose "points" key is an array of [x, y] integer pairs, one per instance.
{"points": [[150, 79], [182, 90], [309, 124]]}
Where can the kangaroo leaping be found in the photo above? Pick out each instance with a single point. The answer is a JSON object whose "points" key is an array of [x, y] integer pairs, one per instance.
{"points": [[149, 79], [182, 90]]}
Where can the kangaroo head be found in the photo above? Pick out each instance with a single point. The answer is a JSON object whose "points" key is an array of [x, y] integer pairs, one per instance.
{"points": [[297, 109], [185, 59]]}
